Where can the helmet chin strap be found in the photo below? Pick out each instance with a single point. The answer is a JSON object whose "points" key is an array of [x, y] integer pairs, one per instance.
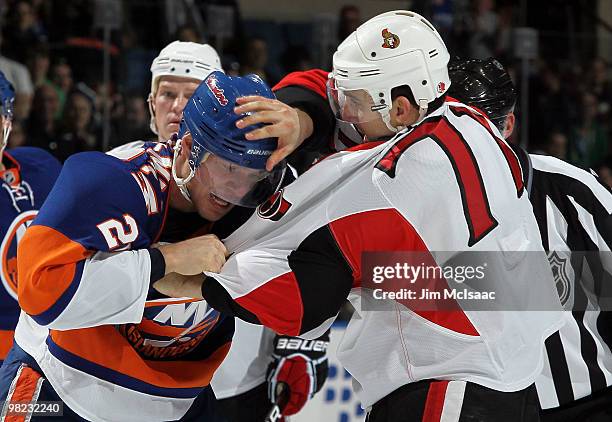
{"points": [[386, 116], [152, 124], [423, 105], [6, 131], [180, 181]]}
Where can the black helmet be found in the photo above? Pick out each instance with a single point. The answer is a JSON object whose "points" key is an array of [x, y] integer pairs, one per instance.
{"points": [[484, 84]]}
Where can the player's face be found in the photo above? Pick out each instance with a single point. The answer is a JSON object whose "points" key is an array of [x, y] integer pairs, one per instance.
{"points": [[200, 189], [170, 99]]}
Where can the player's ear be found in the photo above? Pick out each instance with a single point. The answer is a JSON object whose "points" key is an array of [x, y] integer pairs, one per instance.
{"points": [[509, 125], [186, 144], [402, 112]]}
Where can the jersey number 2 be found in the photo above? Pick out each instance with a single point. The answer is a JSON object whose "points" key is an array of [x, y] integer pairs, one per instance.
{"points": [[119, 233]]}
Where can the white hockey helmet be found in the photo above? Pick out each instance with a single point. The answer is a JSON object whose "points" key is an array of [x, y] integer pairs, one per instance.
{"points": [[183, 59], [390, 50]]}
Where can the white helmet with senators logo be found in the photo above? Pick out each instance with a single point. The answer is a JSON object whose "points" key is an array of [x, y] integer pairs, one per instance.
{"points": [[183, 59], [390, 50]]}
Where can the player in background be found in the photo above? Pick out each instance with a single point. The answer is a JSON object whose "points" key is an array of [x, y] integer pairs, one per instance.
{"points": [[259, 359], [435, 186], [93, 332], [26, 177], [574, 213]]}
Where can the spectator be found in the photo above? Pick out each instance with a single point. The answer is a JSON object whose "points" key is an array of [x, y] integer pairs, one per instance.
{"points": [[38, 64], [19, 76], [589, 143], [296, 58], [134, 124], [349, 20], [556, 145], [550, 104], [604, 171], [599, 84], [483, 41], [61, 77], [41, 125], [188, 33], [77, 132], [23, 29], [17, 137], [255, 59]]}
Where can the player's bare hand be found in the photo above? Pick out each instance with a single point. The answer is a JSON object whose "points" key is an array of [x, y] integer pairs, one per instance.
{"points": [[290, 125], [194, 256], [178, 285]]}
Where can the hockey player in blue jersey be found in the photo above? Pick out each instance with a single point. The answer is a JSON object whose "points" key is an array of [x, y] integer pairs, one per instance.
{"points": [[93, 332], [26, 177]]}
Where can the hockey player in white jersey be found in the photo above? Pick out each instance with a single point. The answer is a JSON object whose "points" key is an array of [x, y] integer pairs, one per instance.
{"points": [[435, 186], [574, 214], [245, 381]]}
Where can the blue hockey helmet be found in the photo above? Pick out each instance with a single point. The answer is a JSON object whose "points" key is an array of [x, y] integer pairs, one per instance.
{"points": [[7, 99], [220, 154]]}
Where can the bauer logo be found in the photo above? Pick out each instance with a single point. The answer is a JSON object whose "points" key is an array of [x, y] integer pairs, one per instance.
{"points": [[211, 83], [258, 152]]}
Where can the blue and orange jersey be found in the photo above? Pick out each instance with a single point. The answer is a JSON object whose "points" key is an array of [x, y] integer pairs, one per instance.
{"points": [[25, 182], [85, 275]]}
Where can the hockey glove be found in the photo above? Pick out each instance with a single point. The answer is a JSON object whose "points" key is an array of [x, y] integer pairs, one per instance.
{"points": [[298, 371]]}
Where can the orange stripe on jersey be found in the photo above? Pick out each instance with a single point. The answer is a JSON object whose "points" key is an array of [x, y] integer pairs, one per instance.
{"points": [[46, 265], [6, 342], [24, 390], [152, 303], [105, 346]]}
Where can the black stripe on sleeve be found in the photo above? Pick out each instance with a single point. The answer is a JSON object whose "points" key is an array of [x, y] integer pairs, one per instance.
{"points": [[220, 299], [324, 277]]}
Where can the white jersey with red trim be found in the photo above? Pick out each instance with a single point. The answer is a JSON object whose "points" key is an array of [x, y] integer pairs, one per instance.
{"points": [[447, 184]]}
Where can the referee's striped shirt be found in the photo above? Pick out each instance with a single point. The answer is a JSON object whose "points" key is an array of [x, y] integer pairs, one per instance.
{"points": [[574, 214]]}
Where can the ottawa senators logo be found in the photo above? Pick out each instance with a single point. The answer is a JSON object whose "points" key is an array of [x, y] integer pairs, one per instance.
{"points": [[441, 87], [275, 207], [390, 40]]}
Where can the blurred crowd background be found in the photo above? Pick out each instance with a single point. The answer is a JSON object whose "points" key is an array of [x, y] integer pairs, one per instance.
{"points": [[53, 52]]}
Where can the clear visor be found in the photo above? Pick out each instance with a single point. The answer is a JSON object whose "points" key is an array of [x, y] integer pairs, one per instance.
{"points": [[235, 184], [352, 105]]}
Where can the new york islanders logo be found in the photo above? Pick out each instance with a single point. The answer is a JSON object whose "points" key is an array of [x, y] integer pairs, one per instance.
{"points": [[275, 207], [390, 40], [211, 83], [8, 250]]}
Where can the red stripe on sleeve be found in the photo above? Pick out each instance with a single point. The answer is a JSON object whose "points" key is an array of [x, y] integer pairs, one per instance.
{"points": [[314, 80], [277, 304], [388, 231]]}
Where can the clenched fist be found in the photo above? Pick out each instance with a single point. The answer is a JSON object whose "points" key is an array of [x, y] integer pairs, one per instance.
{"points": [[194, 256]]}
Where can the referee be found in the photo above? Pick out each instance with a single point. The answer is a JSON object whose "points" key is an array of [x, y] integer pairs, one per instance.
{"points": [[573, 210]]}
